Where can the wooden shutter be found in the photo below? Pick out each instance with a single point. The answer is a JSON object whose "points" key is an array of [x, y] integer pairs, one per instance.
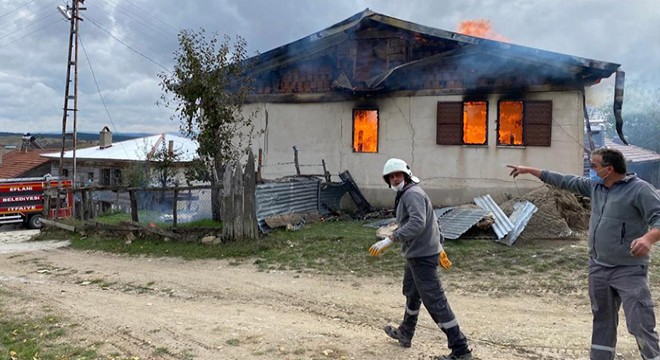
{"points": [[537, 123], [449, 129]]}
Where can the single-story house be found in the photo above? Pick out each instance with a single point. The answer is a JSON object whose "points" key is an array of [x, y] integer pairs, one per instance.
{"points": [[457, 108], [106, 163], [24, 163]]}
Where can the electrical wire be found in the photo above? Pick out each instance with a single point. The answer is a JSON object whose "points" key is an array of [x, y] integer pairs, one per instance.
{"points": [[98, 89], [126, 45], [16, 9], [28, 34]]}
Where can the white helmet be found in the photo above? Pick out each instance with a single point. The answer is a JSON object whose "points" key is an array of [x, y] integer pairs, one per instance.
{"points": [[397, 165]]}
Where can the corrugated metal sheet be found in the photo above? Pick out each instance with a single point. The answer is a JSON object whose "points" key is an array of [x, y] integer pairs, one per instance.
{"points": [[522, 212], [296, 196], [331, 194], [502, 224], [456, 222]]}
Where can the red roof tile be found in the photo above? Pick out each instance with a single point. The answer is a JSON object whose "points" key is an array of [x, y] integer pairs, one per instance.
{"points": [[15, 163]]}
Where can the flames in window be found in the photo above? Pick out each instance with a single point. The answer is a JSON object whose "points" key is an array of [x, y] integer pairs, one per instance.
{"points": [[365, 131], [511, 123], [474, 122]]}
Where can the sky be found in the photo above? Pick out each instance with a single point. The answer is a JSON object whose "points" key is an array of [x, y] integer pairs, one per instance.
{"points": [[125, 44]]}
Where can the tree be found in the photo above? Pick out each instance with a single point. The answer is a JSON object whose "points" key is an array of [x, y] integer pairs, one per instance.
{"points": [[209, 86], [641, 115]]}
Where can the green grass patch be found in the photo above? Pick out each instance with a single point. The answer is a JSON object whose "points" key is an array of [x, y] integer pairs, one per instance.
{"points": [[341, 247], [37, 338]]}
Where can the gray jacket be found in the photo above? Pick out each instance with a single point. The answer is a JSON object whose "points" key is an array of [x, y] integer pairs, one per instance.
{"points": [[418, 229], [619, 215]]}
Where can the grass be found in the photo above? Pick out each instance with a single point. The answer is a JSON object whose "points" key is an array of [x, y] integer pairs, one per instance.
{"points": [[340, 247]]}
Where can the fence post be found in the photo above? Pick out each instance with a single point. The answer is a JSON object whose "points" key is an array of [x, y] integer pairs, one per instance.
{"points": [[295, 159], [227, 210], [134, 207], [174, 206], [250, 230], [83, 205], [237, 190]]}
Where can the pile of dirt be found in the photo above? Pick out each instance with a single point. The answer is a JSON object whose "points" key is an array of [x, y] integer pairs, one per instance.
{"points": [[559, 214]]}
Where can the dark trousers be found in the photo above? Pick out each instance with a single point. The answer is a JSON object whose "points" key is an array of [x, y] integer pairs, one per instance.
{"points": [[421, 284], [609, 289]]}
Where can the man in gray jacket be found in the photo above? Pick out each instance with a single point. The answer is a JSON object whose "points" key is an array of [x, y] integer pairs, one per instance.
{"points": [[624, 225], [421, 245]]}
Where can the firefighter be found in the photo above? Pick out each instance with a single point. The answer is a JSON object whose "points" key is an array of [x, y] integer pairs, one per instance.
{"points": [[421, 246]]}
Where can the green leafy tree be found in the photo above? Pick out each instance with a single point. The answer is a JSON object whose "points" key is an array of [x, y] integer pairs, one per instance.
{"points": [[162, 165], [208, 87]]}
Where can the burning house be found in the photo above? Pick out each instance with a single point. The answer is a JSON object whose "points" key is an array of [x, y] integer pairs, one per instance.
{"points": [[457, 108]]}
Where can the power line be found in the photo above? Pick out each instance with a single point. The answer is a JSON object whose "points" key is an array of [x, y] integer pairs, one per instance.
{"points": [[30, 33], [126, 45], [16, 9], [89, 63]]}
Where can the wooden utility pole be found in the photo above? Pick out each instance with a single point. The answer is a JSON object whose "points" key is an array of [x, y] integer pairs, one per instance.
{"points": [[72, 14]]}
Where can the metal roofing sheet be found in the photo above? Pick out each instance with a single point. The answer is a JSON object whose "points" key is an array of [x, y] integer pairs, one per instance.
{"points": [[456, 222], [502, 224], [522, 212], [297, 196]]}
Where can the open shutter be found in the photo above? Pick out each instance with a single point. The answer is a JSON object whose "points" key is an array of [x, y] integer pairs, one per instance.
{"points": [[449, 129], [537, 123]]}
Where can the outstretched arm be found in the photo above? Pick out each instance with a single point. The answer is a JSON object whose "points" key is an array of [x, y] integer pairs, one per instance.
{"points": [[517, 170]]}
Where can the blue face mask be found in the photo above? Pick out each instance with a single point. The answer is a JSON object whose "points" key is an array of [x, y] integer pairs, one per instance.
{"points": [[593, 174]]}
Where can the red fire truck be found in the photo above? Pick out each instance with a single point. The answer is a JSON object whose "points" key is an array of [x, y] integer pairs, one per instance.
{"points": [[22, 200]]}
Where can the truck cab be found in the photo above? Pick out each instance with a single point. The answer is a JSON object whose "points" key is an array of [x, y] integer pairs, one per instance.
{"points": [[22, 200]]}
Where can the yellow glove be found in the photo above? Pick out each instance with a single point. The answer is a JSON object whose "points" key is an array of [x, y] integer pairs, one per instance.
{"points": [[444, 261], [378, 248]]}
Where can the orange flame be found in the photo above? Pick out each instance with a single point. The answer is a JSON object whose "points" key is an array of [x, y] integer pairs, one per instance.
{"points": [[480, 28]]}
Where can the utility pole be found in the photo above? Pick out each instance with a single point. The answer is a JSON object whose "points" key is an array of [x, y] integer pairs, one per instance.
{"points": [[71, 13]]}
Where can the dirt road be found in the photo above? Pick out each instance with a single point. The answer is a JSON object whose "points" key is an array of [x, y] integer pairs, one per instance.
{"points": [[169, 308]]}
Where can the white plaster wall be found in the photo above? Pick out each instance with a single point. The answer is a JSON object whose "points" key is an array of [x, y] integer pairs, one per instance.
{"points": [[451, 175]]}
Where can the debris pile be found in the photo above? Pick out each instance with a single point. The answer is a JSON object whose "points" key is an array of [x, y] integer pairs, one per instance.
{"points": [[560, 212]]}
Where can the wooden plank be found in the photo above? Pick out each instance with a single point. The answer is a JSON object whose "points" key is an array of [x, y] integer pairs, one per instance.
{"points": [[237, 190], [227, 204], [250, 229], [58, 224]]}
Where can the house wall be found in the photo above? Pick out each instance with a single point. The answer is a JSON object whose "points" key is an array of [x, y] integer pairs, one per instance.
{"points": [[451, 175]]}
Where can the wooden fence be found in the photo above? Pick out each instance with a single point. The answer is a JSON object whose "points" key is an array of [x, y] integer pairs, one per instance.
{"points": [[239, 212]]}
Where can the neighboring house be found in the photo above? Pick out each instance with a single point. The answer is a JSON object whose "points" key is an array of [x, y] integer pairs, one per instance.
{"points": [[24, 163], [645, 163], [457, 108], [105, 164]]}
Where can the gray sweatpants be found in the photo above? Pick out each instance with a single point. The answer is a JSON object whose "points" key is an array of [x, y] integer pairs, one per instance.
{"points": [[611, 287]]}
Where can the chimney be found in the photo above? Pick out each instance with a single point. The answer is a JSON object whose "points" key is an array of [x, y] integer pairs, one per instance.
{"points": [[170, 148], [105, 138]]}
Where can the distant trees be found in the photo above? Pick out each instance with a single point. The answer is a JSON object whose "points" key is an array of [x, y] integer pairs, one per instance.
{"points": [[641, 116], [208, 88]]}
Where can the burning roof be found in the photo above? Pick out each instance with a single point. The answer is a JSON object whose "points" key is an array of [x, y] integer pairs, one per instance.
{"points": [[371, 52]]}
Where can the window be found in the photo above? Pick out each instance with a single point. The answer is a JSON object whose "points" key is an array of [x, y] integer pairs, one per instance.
{"points": [[524, 123], [365, 131], [462, 123]]}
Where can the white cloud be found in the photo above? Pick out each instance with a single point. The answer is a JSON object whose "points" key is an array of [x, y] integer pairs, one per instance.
{"points": [[128, 43]]}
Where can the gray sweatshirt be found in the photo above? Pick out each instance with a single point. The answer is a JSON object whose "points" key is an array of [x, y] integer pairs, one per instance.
{"points": [[619, 215], [418, 229]]}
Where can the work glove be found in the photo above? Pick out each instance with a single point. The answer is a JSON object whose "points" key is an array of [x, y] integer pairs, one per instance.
{"points": [[444, 261], [378, 248]]}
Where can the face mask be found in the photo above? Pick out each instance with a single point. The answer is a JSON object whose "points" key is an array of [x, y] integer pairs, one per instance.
{"points": [[398, 187], [593, 174]]}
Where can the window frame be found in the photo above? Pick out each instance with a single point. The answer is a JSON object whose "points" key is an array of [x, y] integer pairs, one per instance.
{"points": [[445, 121], [533, 117], [353, 129]]}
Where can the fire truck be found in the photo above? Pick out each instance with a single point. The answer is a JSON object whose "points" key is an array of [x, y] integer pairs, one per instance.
{"points": [[22, 200]]}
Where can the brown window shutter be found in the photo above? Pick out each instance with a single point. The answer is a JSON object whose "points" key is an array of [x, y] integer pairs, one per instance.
{"points": [[537, 123], [449, 129]]}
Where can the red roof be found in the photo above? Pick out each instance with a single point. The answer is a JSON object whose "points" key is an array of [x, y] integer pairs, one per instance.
{"points": [[15, 163]]}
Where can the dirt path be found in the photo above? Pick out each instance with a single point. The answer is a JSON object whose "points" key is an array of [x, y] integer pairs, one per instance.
{"points": [[174, 309]]}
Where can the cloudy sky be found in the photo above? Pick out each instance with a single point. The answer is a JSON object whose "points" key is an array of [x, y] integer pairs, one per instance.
{"points": [[126, 43]]}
